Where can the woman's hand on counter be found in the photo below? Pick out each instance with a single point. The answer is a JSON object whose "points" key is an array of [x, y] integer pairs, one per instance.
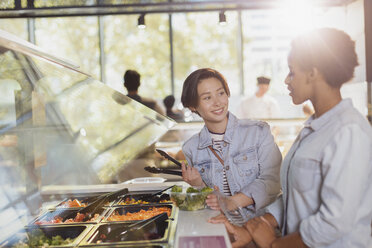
{"points": [[239, 236], [261, 231], [192, 176], [221, 218]]}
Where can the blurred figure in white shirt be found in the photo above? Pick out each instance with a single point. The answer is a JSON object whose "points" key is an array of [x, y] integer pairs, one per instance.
{"points": [[260, 105]]}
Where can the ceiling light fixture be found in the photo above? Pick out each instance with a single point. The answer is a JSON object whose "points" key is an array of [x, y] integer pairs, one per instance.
{"points": [[222, 18], [141, 21]]}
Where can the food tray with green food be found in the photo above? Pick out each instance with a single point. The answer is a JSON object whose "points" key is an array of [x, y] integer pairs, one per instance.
{"points": [[47, 237], [190, 198], [141, 199]]}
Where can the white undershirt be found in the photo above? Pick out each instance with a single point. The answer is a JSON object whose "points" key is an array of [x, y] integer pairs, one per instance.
{"points": [[217, 141]]}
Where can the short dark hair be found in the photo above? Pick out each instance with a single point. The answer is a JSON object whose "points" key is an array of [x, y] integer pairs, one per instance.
{"points": [[132, 80], [263, 80], [189, 96], [169, 101], [329, 50]]}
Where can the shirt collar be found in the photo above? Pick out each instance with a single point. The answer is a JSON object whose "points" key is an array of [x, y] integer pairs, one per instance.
{"points": [[205, 139], [317, 123]]}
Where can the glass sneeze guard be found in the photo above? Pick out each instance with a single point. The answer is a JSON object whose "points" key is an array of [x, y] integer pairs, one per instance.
{"points": [[60, 126]]}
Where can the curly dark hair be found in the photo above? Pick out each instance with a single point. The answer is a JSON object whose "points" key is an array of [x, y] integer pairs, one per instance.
{"points": [[329, 50], [189, 96]]}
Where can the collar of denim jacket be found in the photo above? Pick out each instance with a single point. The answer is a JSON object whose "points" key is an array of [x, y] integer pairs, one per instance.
{"points": [[205, 138]]}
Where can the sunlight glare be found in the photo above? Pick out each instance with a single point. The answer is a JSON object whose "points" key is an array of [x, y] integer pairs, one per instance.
{"points": [[297, 16]]}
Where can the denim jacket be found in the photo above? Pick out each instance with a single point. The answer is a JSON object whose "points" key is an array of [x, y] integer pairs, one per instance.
{"points": [[251, 159]]}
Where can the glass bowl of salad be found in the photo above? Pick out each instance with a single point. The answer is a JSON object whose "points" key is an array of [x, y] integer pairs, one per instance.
{"points": [[189, 198]]}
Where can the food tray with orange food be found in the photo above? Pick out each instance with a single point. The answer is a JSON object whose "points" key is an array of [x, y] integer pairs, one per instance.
{"points": [[59, 217], [143, 199], [136, 213]]}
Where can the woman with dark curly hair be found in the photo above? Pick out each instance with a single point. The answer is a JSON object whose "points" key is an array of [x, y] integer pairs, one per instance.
{"points": [[326, 175]]}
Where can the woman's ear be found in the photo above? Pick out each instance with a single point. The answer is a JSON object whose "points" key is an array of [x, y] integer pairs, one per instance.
{"points": [[315, 73], [312, 75]]}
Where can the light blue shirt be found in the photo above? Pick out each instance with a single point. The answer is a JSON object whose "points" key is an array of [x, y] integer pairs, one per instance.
{"points": [[326, 180], [251, 159]]}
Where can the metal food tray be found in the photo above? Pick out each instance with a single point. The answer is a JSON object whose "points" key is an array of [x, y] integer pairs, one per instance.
{"points": [[76, 232], [82, 231], [136, 208], [83, 199], [163, 237], [156, 199], [50, 214]]}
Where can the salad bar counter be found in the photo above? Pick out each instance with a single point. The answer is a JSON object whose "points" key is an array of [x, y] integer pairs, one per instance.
{"points": [[65, 140], [123, 222], [61, 128]]}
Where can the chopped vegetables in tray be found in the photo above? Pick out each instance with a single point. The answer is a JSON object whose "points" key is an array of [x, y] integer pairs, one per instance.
{"points": [[59, 220], [129, 201], [132, 201], [141, 215], [72, 204], [38, 239]]}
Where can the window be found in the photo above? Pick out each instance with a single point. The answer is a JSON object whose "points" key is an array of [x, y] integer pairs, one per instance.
{"points": [[72, 38], [144, 50], [268, 57], [199, 41], [17, 27]]}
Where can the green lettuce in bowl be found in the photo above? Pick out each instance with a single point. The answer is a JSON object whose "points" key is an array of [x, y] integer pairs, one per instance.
{"points": [[190, 198]]}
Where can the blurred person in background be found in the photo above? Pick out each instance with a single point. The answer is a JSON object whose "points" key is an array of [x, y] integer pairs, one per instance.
{"points": [[176, 115], [132, 81], [260, 105], [326, 175]]}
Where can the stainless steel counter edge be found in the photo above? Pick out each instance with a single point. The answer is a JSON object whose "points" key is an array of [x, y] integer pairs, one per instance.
{"points": [[79, 189]]}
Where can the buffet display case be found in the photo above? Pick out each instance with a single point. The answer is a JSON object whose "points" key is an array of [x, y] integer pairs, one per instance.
{"points": [[62, 129]]}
